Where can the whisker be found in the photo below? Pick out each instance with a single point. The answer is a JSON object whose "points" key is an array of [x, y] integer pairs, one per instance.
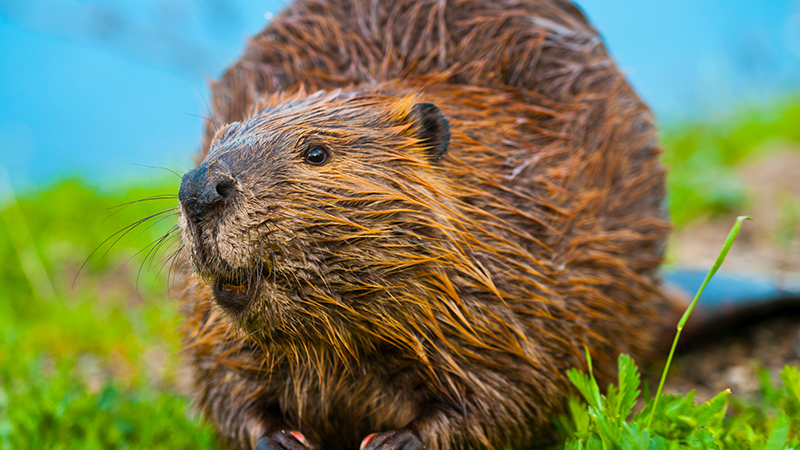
{"points": [[155, 197], [161, 168], [166, 244], [119, 235], [208, 108], [173, 259], [206, 118], [122, 206], [183, 164], [153, 246], [161, 242], [171, 246], [160, 219]]}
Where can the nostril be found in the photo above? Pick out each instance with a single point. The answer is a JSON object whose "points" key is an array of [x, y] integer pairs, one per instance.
{"points": [[206, 188], [224, 187]]}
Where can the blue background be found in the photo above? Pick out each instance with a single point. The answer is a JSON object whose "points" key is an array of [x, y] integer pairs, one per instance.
{"points": [[101, 88]]}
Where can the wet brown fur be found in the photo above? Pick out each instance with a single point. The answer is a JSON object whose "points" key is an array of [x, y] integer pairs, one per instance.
{"points": [[397, 289]]}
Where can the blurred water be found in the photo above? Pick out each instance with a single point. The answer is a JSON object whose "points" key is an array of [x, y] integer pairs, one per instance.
{"points": [[100, 87]]}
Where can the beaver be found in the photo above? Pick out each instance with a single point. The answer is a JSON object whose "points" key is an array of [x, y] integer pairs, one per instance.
{"points": [[408, 219]]}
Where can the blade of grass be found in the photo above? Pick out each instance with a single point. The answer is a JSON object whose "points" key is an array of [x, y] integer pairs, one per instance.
{"points": [[720, 258], [21, 239]]}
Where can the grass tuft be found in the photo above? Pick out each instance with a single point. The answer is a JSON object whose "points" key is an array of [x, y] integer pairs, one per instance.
{"points": [[673, 421], [94, 365]]}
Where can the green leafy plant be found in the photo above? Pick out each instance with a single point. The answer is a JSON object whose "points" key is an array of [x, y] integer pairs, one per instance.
{"points": [[596, 421], [674, 421]]}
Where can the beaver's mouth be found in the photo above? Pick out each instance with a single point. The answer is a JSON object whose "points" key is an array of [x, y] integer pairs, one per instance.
{"points": [[236, 293]]}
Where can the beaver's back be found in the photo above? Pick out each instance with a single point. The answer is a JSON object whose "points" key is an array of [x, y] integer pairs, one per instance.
{"points": [[565, 204], [545, 46]]}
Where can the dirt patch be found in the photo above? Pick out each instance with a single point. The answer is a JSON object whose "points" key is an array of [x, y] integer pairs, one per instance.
{"points": [[770, 245], [771, 242], [731, 361]]}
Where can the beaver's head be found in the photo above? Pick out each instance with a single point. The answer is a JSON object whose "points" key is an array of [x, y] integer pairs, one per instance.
{"points": [[302, 213]]}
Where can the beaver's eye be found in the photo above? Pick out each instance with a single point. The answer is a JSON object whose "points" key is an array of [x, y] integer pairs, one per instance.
{"points": [[316, 156]]}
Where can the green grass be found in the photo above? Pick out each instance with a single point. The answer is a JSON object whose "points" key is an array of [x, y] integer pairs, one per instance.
{"points": [[95, 365], [608, 421], [703, 157], [91, 366]]}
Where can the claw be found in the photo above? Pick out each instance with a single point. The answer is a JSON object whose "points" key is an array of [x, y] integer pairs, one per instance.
{"points": [[366, 440], [404, 439], [299, 436], [283, 440]]}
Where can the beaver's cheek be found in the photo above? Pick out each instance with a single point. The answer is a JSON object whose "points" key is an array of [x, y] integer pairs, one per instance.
{"points": [[235, 244]]}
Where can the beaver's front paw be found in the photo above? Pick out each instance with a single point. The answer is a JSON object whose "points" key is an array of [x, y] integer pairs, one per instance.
{"points": [[283, 440], [392, 440]]}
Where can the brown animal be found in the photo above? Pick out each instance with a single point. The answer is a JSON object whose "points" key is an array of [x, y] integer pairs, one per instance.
{"points": [[408, 220]]}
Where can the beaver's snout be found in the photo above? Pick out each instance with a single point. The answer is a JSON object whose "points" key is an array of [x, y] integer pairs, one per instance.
{"points": [[207, 194], [205, 188]]}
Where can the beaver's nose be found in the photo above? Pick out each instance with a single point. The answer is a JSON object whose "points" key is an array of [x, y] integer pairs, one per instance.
{"points": [[205, 188]]}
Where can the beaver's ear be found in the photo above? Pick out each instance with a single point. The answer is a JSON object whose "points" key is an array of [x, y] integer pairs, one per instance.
{"points": [[432, 127]]}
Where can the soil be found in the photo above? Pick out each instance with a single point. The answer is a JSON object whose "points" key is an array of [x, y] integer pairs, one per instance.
{"points": [[770, 245]]}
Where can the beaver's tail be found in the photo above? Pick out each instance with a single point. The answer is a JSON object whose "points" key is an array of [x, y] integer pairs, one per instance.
{"points": [[730, 300]]}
